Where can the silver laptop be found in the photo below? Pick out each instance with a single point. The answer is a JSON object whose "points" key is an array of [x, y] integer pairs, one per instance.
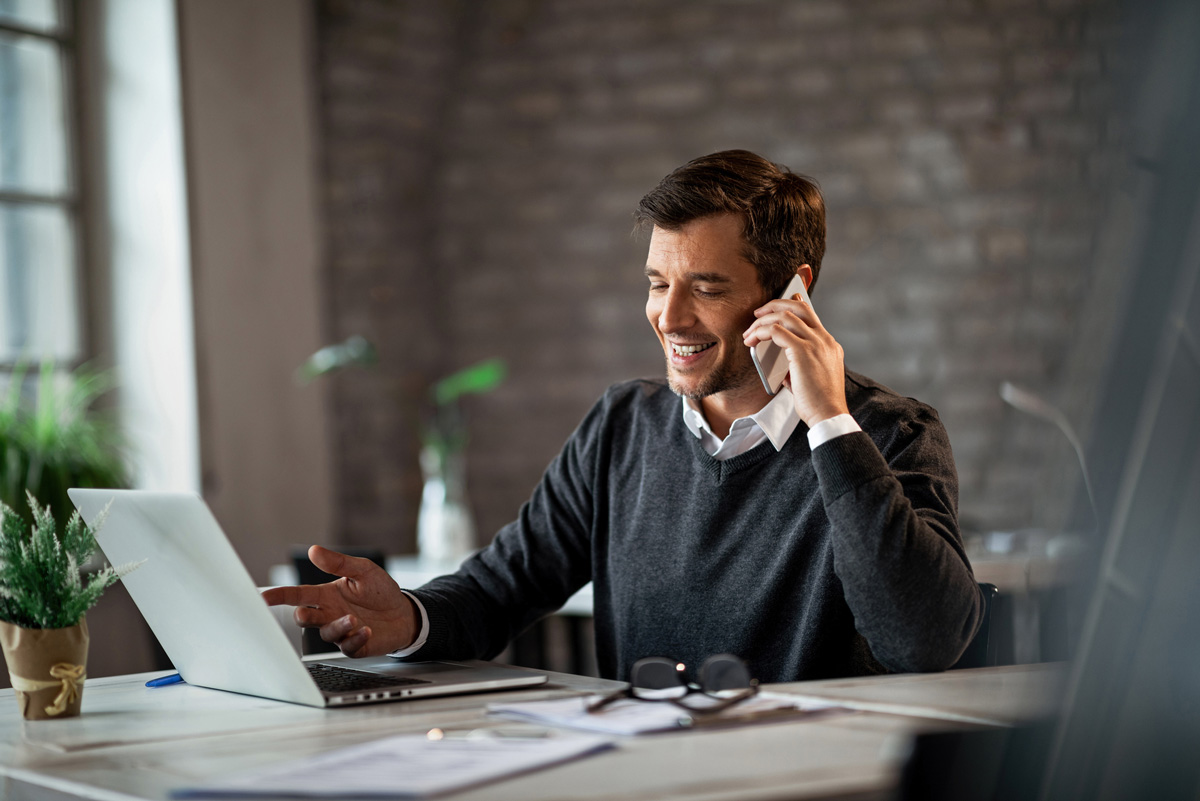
{"points": [[209, 617]]}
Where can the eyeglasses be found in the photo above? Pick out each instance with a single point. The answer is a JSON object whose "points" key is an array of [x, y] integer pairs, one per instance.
{"points": [[652, 678]]}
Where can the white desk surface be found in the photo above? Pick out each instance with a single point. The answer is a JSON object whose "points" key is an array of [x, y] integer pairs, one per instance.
{"points": [[134, 742], [997, 696]]}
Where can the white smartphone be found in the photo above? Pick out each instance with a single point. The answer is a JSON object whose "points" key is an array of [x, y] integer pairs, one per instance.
{"points": [[769, 358]]}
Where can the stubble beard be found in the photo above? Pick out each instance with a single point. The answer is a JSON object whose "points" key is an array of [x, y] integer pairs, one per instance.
{"points": [[723, 378]]}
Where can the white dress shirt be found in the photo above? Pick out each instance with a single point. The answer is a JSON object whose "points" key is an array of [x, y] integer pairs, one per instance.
{"points": [[774, 422], [423, 636]]}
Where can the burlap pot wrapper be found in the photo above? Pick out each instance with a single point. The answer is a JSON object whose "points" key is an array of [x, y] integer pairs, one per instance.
{"points": [[47, 668]]}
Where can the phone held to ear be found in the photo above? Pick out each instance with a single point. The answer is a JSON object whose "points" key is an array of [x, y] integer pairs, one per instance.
{"points": [[769, 358]]}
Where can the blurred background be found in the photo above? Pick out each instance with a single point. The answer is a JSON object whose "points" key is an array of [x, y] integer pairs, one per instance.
{"points": [[199, 194]]}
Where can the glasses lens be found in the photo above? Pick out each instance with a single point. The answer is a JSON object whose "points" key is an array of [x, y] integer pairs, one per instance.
{"points": [[724, 672], [655, 673]]}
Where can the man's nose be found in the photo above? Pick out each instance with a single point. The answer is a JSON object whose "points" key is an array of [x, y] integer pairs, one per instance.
{"points": [[676, 313]]}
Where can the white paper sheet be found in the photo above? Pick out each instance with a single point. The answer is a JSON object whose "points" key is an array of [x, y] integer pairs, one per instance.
{"points": [[407, 766], [628, 717]]}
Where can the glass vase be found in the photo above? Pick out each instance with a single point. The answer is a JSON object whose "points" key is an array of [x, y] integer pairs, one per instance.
{"points": [[445, 530]]}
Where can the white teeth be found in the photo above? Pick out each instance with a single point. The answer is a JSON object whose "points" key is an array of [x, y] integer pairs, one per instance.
{"points": [[688, 350]]}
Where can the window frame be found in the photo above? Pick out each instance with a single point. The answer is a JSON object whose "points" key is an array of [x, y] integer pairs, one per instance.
{"points": [[66, 39]]}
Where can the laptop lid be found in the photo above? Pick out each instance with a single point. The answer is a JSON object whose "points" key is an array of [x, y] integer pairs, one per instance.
{"points": [[201, 603]]}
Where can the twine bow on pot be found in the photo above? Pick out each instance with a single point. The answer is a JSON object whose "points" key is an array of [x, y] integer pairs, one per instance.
{"points": [[70, 677]]}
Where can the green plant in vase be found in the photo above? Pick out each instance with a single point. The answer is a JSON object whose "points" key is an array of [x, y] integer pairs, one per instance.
{"points": [[44, 598], [445, 530]]}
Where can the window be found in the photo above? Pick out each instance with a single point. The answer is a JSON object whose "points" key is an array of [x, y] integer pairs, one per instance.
{"points": [[39, 203]]}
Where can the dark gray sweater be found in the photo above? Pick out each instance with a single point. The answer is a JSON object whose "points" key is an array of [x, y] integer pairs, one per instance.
{"points": [[840, 562]]}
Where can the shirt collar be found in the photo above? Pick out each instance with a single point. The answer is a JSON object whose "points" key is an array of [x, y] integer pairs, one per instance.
{"points": [[778, 419]]}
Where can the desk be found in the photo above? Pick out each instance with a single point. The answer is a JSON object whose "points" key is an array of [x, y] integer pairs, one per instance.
{"points": [[137, 743]]}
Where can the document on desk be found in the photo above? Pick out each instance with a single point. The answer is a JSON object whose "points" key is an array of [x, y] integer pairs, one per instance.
{"points": [[629, 716], [406, 766]]}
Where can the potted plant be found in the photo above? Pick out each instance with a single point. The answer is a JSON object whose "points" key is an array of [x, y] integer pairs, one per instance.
{"points": [[58, 440], [445, 528], [43, 600]]}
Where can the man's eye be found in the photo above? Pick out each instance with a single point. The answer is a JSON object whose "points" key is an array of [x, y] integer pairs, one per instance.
{"points": [[657, 287], [708, 294]]}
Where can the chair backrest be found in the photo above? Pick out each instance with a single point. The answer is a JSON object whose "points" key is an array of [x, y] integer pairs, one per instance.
{"points": [[982, 650]]}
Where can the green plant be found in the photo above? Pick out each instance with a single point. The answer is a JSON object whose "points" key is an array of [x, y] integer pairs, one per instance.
{"points": [[446, 430], [41, 586], [58, 441]]}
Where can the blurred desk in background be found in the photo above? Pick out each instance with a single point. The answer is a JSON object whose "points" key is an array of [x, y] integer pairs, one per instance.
{"points": [[1022, 563], [1037, 611]]}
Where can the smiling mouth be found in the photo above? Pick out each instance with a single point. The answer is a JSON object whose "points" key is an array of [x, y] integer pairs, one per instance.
{"points": [[690, 350]]}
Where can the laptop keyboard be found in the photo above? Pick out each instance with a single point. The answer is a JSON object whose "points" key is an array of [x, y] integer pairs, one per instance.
{"points": [[334, 679]]}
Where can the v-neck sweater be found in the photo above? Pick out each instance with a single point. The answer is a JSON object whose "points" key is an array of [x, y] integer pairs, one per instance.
{"points": [[842, 561]]}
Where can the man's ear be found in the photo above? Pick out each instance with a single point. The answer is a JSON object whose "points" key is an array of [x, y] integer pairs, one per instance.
{"points": [[806, 273]]}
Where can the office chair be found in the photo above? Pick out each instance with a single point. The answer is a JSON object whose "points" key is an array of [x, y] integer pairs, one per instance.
{"points": [[982, 650]]}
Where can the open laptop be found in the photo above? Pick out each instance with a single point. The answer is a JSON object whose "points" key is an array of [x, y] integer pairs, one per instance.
{"points": [[209, 617]]}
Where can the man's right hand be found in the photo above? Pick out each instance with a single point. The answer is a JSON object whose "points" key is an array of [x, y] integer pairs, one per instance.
{"points": [[363, 613]]}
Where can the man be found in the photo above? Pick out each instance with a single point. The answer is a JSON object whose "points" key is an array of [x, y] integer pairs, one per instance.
{"points": [[713, 524]]}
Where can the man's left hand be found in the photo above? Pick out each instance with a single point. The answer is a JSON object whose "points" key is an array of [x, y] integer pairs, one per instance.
{"points": [[816, 370]]}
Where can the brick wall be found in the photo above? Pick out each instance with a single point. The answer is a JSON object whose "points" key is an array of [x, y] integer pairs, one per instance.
{"points": [[483, 160], [384, 84]]}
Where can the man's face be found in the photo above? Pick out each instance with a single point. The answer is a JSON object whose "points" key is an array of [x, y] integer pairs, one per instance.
{"points": [[703, 294]]}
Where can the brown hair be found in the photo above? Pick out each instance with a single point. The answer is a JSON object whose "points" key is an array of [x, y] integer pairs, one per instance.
{"points": [[783, 212]]}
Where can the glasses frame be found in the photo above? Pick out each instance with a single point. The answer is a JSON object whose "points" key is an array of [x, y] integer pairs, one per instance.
{"points": [[631, 692]]}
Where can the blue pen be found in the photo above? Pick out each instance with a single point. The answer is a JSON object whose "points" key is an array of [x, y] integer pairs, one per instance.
{"points": [[174, 678]]}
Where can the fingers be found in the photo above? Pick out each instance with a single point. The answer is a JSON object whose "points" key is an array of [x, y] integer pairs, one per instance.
{"points": [[346, 633], [306, 595], [795, 304], [784, 328], [356, 645], [342, 609], [793, 316], [311, 617], [316, 604], [339, 564]]}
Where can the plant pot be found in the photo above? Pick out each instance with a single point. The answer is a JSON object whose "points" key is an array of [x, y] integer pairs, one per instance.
{"points": [[47, 668]]}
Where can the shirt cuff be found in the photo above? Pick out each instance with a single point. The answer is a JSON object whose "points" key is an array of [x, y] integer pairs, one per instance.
{"points": [[422, 637], [829, 429]]}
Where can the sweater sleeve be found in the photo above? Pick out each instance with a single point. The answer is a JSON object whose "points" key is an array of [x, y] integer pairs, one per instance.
{"points": [[531, 568], [896, 545]]}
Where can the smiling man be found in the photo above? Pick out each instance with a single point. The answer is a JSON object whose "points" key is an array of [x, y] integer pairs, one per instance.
{"points": [[707, 520]]}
